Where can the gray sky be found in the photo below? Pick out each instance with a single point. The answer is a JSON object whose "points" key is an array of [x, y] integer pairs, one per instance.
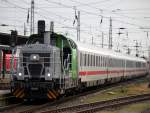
{"points": [[129, 14]]}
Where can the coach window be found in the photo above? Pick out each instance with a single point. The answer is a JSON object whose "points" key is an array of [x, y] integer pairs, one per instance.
{"points": [[86, 55], [114, 62], [98, 61], [111, 63], [84, 59], [80, 59], [89, 60], [93, 60], [117, 62], [101, 61], [104, 61]]}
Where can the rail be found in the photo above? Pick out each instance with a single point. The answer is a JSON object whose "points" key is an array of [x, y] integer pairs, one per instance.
{"points": [[101, 105]]}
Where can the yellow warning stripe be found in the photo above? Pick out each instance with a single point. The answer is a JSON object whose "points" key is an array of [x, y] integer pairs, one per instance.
{"points": [[21, 96], [21, 91], [49, 96], [55, 92], [16, 91], [52, 94]]}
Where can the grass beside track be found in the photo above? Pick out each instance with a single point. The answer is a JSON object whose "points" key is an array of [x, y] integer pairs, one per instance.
{"points": [[133, 108], [125, 90]]}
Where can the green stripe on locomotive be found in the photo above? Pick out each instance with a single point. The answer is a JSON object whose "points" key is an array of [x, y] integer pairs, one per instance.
{"points": [[62, 42]]}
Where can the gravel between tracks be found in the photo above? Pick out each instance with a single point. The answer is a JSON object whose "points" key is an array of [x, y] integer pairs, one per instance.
{"points": [[82, 99]]}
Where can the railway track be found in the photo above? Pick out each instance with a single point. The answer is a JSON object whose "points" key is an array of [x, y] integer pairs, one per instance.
{"points": [[54, 105], [23, 108], [12, 106], [101, 105]]}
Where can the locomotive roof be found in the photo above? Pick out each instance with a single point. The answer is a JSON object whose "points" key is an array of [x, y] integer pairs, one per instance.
{"points": [[106, 52]]}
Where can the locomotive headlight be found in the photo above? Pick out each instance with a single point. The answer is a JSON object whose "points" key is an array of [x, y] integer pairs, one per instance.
{"points": [[34, 57], [20, 74], [48, 74]]}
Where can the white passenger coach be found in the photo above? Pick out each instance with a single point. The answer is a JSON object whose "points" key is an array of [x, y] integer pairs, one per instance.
{"points": [[99, 66]]}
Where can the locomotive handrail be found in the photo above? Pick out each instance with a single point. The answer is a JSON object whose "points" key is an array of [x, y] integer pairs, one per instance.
{"points": [[67, 63]]}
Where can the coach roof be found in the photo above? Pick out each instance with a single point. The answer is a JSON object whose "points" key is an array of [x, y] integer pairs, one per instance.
{"points": [[106, 52]]}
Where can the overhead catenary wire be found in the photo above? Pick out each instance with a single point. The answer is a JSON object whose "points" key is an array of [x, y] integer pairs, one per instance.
{"points": [[88, 13], [89, 5], [84, 12]]}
